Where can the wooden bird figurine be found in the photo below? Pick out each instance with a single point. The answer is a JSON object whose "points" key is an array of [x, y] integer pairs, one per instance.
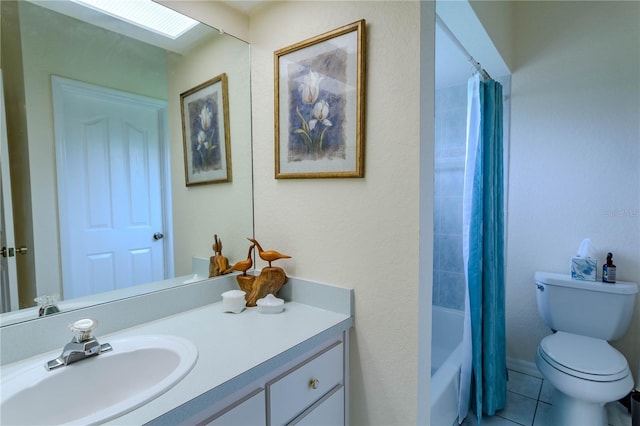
{"points": [[218, 264], [217, 244], [244, 265], [269, 255]]}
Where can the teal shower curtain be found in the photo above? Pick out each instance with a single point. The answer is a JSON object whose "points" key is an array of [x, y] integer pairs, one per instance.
{"points": [[484, 374]]}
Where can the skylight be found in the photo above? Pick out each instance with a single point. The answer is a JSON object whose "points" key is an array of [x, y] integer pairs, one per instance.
{"points": [[146, 14]]}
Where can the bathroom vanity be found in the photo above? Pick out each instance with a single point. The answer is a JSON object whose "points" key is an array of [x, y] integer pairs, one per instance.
{"points": [[252, 368], [251, 360]]}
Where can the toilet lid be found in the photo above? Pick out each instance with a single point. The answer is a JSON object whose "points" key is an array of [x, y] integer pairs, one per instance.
{"points": [[585, 357]]}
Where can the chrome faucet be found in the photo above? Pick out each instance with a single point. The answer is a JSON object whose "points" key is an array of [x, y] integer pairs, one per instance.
{"points": [[47, 305], [83, 345]]}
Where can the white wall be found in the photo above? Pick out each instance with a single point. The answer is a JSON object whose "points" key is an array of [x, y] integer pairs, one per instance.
{"points": [[575, 152], [357, 233]]}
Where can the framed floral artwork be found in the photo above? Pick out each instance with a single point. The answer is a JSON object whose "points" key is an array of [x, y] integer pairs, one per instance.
{"points": [[205, 132], [319, 105]]}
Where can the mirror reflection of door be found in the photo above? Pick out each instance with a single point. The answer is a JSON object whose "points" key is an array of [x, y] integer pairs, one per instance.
{"points": [[8, 274], [112, 187]]}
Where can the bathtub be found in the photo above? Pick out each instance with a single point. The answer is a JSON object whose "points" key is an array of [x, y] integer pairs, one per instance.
{"points": [[446, 357]]}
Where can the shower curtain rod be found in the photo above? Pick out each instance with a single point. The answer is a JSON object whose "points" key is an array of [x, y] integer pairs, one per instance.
{"points": [[466, 53]]}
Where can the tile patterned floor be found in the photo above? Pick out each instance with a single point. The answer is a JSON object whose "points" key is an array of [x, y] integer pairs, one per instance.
{"points": [[528, 404]]}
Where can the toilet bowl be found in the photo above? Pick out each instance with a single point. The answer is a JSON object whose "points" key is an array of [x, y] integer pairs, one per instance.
{"points": [[586, 371]]}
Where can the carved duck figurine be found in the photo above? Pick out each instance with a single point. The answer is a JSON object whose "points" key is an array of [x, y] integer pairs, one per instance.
{"points": [[268, 255], [244, 265], [221, 263]]}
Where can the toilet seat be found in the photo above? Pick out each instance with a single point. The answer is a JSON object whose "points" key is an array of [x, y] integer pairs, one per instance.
{"points": [[583, 357]]}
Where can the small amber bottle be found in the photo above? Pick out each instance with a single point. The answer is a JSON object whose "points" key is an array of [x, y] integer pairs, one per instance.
{"points": [[609, 270]]}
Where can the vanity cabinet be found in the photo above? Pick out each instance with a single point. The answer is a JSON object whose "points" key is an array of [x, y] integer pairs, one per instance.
{"points": [[329, 410], [310, 389], [300, 391], [249, 410]]}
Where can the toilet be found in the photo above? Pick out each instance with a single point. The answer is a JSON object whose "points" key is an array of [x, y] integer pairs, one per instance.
{"points": [[577, 359]]}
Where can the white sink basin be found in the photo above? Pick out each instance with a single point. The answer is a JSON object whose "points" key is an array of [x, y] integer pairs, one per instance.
{"points": [[96, 389]]}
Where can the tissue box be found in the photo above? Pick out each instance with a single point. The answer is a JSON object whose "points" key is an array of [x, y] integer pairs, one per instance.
{"points": [[583, 268]]}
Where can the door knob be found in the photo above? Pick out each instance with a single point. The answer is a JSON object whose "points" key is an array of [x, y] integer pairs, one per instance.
{"points": [[158, 236], [22, 250], [6, 252]]}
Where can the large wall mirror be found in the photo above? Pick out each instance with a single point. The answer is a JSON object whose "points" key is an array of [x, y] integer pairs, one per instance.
{"points": [[63, 63]]}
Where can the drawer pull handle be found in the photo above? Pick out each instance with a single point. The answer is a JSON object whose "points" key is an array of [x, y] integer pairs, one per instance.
{"points": [[313, 383]]}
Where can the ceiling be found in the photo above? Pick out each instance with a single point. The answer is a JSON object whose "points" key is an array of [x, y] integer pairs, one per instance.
{"points": [[246, 6], [75, 10]]}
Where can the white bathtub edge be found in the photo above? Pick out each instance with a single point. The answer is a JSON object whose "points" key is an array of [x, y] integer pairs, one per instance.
{"points": [[445, 386], [445, 381]]}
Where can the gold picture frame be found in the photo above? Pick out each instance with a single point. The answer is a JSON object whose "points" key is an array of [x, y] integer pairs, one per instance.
{"points": [[320, 105], [205, 132]]}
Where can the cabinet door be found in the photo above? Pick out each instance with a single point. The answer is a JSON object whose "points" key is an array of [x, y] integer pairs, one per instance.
{"points": [[250, 411], [295, 391], [329, 411]]}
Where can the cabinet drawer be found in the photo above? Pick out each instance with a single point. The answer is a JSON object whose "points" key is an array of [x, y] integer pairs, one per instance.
{"points": [[292, 393], [329, 411], [248, 411]]}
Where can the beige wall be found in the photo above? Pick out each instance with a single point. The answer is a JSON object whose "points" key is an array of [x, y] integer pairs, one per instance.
{"points": [[575, 152], [224, 209], [357, 233]]}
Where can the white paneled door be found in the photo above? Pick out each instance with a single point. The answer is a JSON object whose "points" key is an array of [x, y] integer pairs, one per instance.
{"points": [[109, 148]]}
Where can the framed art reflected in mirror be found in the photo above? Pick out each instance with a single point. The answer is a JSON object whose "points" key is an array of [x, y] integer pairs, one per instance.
{"points": [[205, 131]]}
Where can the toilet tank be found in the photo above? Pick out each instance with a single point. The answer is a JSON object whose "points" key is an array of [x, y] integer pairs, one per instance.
{"points": [[588, 308]]}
